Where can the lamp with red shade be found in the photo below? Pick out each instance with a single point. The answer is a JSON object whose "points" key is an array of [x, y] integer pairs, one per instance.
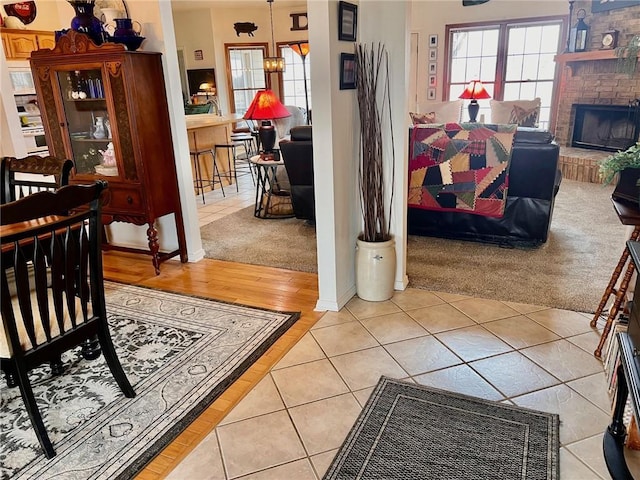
{"points": [[474, 91], [266, 107]]}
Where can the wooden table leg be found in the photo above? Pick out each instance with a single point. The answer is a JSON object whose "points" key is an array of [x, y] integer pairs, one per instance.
{"points": [[619, 296], [614, 279]]}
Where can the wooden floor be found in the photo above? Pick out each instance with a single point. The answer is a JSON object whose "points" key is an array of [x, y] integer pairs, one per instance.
{"points": [[232, 282]]}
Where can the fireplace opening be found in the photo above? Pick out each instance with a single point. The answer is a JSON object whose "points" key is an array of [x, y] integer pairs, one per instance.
{"points": [[606, 127]]}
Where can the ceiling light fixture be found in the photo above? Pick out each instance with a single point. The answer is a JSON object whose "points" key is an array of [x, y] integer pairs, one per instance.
{"points": [[273, 64]]}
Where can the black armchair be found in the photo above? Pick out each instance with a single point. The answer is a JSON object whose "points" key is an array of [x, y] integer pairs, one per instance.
{"points": [[297, 154]]}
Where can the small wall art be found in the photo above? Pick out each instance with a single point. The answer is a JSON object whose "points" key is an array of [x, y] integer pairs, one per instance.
{"points": [[432, 68], [432, 80], [431, 94], [347, 21], [347, 71], [433, 54], [433, 41]]}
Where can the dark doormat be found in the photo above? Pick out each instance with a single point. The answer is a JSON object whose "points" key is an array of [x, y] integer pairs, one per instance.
{"points": [[408, 431]]}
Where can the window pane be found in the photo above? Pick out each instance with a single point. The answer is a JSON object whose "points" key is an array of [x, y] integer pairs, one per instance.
{"points": [[474, 48], [532, 39], [459, 44], [547, 67], [458, 70], [528, 91], [514, 68], [516, 41], [549, 40], [490, 45], [488, 69], [473, 69], [530, 67], [511, 91]]}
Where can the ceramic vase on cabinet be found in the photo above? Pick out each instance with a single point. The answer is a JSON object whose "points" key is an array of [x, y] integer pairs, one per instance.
{"points": [[375, 270], [85, 22]]}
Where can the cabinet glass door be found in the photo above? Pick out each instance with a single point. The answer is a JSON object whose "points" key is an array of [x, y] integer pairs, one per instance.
{"points": [[88, 124]]}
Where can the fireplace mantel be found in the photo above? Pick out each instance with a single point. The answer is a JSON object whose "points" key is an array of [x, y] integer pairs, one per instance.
{"points": [[570, 58]]}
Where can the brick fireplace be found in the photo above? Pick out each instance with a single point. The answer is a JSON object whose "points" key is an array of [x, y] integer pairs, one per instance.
{"points": [[591, 78]]}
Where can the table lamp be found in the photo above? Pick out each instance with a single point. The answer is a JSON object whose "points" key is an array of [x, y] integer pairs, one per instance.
{"points": [[266, 107], [474, 91]]}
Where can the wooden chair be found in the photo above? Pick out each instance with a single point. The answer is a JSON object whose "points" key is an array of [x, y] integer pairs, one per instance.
{"points": [[24, 176], [54, 173], [52, 290]]}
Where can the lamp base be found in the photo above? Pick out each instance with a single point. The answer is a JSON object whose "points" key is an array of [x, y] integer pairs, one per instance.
{"points": [[473, 110], [267, 134]]}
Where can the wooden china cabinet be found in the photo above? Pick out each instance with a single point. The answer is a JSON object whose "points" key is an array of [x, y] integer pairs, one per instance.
{"points": [[105, 108]]}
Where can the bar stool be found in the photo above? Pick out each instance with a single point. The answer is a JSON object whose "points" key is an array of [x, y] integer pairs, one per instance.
{"points": [[237, 166], [628, 214], [199, 183]]}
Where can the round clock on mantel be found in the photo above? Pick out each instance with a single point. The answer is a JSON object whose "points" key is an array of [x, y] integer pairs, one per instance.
{"points": [[609, 40]]}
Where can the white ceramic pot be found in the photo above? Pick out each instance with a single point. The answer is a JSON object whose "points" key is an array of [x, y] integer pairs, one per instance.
{"points": [[375, 270]]}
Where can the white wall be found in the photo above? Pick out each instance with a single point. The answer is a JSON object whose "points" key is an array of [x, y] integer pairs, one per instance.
{"points": [[431, 17], [208, 29], [386, 22]]}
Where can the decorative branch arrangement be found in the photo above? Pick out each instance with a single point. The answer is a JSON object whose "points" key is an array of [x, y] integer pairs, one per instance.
{"points": [[372, 73]]}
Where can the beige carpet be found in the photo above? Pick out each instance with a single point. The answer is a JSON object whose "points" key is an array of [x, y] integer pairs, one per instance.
{"points": [[570, 271]]}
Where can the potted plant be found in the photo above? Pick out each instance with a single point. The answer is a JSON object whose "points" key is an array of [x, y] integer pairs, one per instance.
{"points": [[628, 56], [375, 253], [625, 165]]}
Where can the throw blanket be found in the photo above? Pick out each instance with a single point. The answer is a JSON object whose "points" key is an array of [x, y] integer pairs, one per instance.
{"points": [[460, 167]]}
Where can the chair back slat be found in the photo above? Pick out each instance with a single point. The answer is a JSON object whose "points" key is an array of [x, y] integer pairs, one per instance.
{"points": [[57, 278], [40, 278], [83, 273], [23, 291], [70, 264], [52, 263]]}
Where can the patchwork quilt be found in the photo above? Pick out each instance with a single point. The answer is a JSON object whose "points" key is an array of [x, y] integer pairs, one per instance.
{"points": [[460, 167]]}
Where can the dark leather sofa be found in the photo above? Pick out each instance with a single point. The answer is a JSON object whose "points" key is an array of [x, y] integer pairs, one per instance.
{"points": [[534, 180], [297, 154]]}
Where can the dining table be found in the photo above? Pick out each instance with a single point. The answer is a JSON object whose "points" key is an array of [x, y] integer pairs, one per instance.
{"points": [[205, 131]]}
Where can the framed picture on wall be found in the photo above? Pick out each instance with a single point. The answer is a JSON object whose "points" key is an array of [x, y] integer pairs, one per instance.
{"points": [[433, 41], [433, 54], [432, 68], [431, 94], [347, 71], [432, 80], [347, 21], [603, 5]]}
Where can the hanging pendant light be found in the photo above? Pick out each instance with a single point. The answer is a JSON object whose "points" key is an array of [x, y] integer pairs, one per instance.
{"points": [[273, 64]]}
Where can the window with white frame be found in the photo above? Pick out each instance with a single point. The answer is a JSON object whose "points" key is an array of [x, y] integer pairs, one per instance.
{"points": [[247, 74], [293, 78], [513, 59]]}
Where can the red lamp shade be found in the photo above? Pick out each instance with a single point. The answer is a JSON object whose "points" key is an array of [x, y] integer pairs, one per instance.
{"points": [[266, 106], [475, 91]]}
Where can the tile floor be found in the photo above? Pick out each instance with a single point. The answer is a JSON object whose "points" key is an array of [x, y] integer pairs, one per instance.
{"points": [[217, 206], [292, 423]]}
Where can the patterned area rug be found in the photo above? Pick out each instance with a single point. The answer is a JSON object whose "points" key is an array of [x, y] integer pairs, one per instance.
{"points": [[460, 167], [179, 352], [408, 431]]}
